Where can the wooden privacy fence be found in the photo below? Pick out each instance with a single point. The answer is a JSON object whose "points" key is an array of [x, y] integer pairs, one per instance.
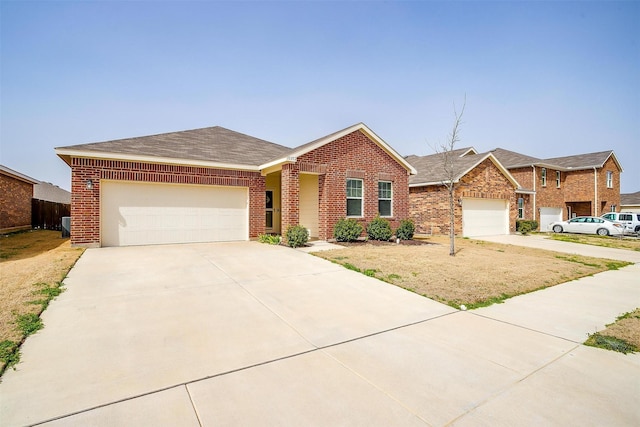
{"points": [[48, 215]]}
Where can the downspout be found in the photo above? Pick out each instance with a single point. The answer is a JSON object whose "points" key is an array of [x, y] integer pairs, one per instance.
{"points": [[595, 191], [533, 167]]}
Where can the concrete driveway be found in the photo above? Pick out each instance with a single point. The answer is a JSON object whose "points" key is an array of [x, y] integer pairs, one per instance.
{"points": [[251, 334]]}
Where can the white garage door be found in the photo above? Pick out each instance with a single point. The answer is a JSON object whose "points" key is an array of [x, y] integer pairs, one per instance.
{"points": [[484, 217], [549, 215], [150, 214]]}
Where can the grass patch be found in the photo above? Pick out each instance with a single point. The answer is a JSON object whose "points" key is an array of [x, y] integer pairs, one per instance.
{"points": [[610, 343], [632, 244], [33, 265], [482, 273]]}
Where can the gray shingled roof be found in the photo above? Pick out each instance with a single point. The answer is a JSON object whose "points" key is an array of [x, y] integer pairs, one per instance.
{"points": [[511, 159], [213, 144], [51, 193], [431, 168], [630, 198], [581, 161]]}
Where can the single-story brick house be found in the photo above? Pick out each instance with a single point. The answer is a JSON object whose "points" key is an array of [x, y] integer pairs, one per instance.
{"points": [[564, 187], [214, 184], [16, 192], [484, 194]]}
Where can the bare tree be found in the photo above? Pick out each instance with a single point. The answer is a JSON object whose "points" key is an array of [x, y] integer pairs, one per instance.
{"points": [[450, 172]]}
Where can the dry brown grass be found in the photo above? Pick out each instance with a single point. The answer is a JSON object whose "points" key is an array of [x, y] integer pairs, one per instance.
{"points": [[479, 274], [627, 328], [26, 259]]}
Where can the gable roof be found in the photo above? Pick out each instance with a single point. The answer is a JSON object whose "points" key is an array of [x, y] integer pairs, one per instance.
{"points": [[212, 146], [630, 198], [512, 160], [313, 145], [431, 168], [51, 193], [17, 175]]}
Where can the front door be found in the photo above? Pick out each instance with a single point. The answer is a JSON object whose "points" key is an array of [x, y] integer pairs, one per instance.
{"points": [[269, 212]]}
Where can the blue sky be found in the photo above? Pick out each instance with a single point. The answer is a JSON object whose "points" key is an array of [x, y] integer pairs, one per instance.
{"points": [[546, 79]]}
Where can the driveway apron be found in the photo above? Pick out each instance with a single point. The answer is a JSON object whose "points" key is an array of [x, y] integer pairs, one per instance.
{"points": [[251, 334]]}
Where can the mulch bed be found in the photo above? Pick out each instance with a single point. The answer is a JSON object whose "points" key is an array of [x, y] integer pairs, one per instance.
{"points": [[384, 243]]}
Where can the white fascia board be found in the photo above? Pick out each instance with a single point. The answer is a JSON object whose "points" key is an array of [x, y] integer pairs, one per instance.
{"points": [[17, 175], [323, 141], [63, 152], [428, 184]]}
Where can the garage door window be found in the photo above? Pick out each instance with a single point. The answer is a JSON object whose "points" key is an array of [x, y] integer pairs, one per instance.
{"points": [[354, 197]]}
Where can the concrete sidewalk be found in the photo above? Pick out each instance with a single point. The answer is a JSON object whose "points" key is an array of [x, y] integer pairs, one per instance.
{"points": [[251, 334], [540, 241]]}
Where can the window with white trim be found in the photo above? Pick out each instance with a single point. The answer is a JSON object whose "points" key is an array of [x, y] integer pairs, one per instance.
{"points": [[385, 198], [354, 197], [520, 208], [609, 179], [543, 175], [557, 179]]}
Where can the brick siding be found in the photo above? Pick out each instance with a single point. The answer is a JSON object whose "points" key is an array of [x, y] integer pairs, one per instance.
{"points": [[15, 203], [353, 155], [429, 205], [85, 204]]}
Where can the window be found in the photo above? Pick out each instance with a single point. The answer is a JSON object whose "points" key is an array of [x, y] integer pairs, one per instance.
{"points": [[354, 197], [385, 198], [609, 179], [544, 177], [520, 208], [557, 179]]}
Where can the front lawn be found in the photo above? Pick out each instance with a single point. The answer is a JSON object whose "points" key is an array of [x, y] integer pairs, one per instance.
{"points": [[481, 273], [628, 243], [33, 264]]}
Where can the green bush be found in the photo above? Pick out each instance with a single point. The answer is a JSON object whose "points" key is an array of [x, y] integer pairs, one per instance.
{"points": [[297, 236], [269, 238], [525, 226], [347, 230], [406, 230], [379, 229]]}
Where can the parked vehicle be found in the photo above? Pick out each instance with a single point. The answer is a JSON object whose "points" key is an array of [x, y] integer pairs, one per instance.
{"points": [[630, 220], [588, 225]]}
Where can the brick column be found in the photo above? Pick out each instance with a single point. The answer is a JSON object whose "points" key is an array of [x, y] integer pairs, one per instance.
{"points": [[85, 203], [290, 202]]}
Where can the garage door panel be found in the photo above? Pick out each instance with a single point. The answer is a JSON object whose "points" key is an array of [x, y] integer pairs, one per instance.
{"points": [[143, 213], [549, 215], [484, 217]]}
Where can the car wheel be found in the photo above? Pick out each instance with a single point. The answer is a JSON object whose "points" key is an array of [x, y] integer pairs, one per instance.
{"points": [[602, 232], [557, 229]]}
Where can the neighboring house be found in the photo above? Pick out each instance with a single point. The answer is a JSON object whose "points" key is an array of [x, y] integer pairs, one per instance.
{"points": [[51, 193], [564, 187], [16, 191], [630, 202], [214, 184], [484, 198]]}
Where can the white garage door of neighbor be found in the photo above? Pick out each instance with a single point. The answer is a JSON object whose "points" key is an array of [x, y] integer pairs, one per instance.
{"points": [[549, 215], [484, 217], [151, 214]]}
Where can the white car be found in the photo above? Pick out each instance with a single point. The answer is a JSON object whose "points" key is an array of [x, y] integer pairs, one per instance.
{"points": [[630, 220], [588, 225]]}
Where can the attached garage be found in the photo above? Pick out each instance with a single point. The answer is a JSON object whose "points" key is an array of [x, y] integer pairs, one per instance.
{"points": [[134, 213], [549, 215], [484, 217]]}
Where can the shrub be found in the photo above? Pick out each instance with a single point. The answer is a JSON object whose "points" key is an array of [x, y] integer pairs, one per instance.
{"points": [[269, 238], [525, 226], [379, 229], [406, 230], [297, 236], [347, 230]]}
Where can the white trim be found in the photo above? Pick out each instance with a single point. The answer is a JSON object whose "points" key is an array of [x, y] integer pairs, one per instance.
{"points": [[62, 152], [17, 175], [297, 152]]}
